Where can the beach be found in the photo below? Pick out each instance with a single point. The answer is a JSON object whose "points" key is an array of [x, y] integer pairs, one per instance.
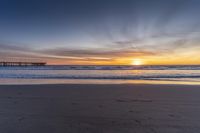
{"points": [[86, 108]]}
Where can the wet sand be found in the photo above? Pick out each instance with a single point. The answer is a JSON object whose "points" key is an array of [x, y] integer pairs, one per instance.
{"points": [[99, 109]]}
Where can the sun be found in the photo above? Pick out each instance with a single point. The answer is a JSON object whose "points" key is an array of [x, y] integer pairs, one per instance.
{"points": [[136, 62]]}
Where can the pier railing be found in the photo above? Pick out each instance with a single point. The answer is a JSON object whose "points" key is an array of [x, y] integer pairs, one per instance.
{"points": [[22, 63]]}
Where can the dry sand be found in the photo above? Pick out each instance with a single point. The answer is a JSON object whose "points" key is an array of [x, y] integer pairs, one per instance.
{"points": [[99, 109]]}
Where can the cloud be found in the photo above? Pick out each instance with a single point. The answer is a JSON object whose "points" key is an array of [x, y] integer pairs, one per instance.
{"points": [[8, 46], [96, 53]]}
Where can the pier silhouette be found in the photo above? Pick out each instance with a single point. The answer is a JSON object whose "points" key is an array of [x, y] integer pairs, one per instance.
{"points": [[4, 63]]}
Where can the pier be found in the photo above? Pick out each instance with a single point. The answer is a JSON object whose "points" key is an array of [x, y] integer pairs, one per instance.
{"points": [[22, 63]]}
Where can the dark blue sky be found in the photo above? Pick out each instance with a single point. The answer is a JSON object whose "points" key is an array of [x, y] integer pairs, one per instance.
{"points": [[99, 29]]}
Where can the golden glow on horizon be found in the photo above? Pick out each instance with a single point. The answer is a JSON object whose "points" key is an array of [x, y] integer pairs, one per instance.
{"points": [[155, 60], [137, 62], [190, 57]]}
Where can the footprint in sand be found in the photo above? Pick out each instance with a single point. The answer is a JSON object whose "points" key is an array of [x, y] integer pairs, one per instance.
{"points": [[21, 118], [134, 100], [171, 115]]}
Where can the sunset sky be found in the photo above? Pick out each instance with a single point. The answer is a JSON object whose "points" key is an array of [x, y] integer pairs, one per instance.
{"points": [[101, 32]]}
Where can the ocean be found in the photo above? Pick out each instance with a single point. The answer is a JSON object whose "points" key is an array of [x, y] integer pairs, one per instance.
{"points": [[61, 74]]}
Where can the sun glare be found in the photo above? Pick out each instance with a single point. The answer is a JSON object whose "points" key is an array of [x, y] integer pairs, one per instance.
{"points": [[137, 62]]}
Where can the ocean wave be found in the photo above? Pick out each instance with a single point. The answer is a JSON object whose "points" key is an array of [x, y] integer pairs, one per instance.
{"points": [[77, 67], [140, 77]]}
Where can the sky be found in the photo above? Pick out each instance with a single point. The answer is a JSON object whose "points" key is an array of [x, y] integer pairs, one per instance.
{"points": [[100, 32]]}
